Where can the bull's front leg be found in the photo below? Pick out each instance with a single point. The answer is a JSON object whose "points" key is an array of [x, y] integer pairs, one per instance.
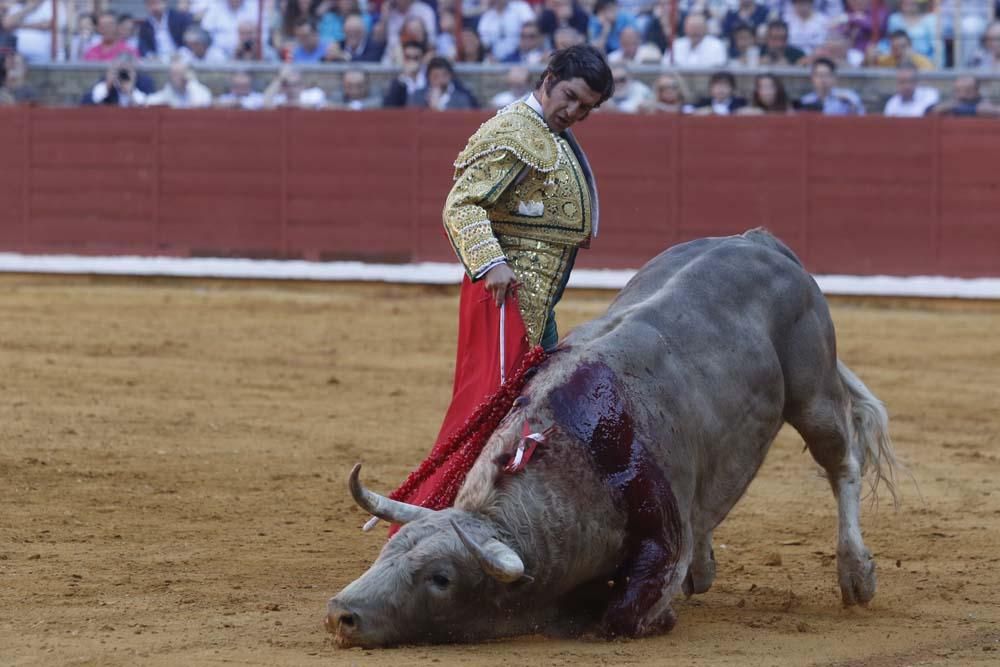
{"points": [[640, 600]]}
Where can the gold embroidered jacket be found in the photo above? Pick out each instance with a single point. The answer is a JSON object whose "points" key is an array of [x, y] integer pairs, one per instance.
{"points": [[520, 195]]}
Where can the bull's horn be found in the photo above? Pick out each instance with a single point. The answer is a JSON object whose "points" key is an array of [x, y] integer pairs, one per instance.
{"points": [[382, 507], [496, 558]]}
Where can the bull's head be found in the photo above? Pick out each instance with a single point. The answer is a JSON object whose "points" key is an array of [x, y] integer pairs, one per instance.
{"points": [[443, 577]]}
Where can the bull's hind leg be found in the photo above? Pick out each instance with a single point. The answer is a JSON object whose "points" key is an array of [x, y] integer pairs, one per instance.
{"points": [[822, 423], [701, 571]]}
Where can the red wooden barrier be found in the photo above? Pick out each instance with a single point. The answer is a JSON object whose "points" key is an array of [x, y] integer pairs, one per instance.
{"points": [[860, 196]]}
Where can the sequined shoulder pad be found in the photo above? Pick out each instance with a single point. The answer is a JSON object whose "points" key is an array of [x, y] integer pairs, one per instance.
{"points": [[518, 130]]}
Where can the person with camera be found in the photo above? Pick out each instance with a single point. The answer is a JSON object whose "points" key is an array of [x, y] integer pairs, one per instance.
{"points": [[121, 86], [246, 45]]}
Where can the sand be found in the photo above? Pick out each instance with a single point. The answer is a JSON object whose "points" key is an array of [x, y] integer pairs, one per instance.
{"points": [[173, 457]]}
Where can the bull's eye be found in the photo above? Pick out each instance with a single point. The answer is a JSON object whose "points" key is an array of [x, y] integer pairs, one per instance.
{"points": [[440, 580]]}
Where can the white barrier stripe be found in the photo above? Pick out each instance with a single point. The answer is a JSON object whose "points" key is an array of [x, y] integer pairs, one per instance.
{"points": [[440, 273]]}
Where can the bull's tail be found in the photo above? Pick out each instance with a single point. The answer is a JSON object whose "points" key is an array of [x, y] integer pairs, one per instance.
{"points": [[870, 426]]}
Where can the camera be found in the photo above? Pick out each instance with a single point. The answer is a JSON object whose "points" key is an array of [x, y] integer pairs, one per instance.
{"points": [[124, 74]]}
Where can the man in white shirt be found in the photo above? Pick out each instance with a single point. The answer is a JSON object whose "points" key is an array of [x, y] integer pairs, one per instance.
{"points": [[500, 26], [182, 90], [910, 99], [807, 28], [696, 48], [222, 20]]}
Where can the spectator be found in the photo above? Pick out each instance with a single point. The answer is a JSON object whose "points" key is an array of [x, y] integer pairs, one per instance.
{"points": [[246, 44], [658, 30], [836, 48], [8, 37], [111, 46], [746, 13], [296, 10], [309, 48], [162, 32], [630, 94], [121, 86], [31, 22], [198, 47], [988, 56], [14, 82], [921, 27], [287, 90], [769, 97], [696, 48], [355, 92], [776, 49], [670, 96], [394, 15], [826, 97], [607, 23], [182, 89], [127, 32], [222, 20], [530, 46], [241, 94], [446, 45], [910, 100], [963, 23], [410, 79], [966, 100], [900, 53], [721, 100], [563, 14], [807, 28], [858, 26], [413, 30], [566, 37], [743, 50], [632, 51], [331, 23], [85, 37], [441, 92], [518, 87], [472, 50], [500, 27], [358, 46]]}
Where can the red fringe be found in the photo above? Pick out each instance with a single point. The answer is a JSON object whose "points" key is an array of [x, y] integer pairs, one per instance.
{"points": [[462, 449]]}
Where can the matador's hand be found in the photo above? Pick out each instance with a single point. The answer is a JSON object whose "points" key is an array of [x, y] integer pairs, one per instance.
{"points": [[499, 281]]}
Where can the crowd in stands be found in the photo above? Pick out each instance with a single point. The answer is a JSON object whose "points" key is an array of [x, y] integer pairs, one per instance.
{"points": [[424, 38]]}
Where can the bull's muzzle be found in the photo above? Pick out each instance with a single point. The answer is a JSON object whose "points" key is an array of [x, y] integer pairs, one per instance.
{"points": [[342, 623]]}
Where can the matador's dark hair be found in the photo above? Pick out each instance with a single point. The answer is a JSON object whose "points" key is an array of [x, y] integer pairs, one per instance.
{"points": [[581, 61]]}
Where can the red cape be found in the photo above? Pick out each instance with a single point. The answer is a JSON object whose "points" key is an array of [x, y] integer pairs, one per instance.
{"points": [[492, 344]]}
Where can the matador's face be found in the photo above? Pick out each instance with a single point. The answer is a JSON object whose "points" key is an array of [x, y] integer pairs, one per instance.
{"points": [[566, 102]]}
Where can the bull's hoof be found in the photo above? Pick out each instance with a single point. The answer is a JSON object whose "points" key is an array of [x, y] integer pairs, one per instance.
{"points": [[857, 577], [634, 628], [699, 578]]}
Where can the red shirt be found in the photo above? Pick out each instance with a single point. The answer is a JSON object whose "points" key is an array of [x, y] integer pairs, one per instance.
{"points": [[101, 53]]}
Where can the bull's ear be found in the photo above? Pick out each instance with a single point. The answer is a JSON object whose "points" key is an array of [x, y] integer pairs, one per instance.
{"points": [[496, 558]]}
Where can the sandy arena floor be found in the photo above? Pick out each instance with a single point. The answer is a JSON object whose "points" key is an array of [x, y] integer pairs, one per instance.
{"points": [[173, 458]]}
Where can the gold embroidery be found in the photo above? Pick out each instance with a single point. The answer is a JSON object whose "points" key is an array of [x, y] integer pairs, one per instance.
{"points": [[517, 130], [465, 218], [540, 268], [564, 195]]}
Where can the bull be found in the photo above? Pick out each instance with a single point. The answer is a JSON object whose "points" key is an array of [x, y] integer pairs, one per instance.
{"points": [[658, 415]]}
